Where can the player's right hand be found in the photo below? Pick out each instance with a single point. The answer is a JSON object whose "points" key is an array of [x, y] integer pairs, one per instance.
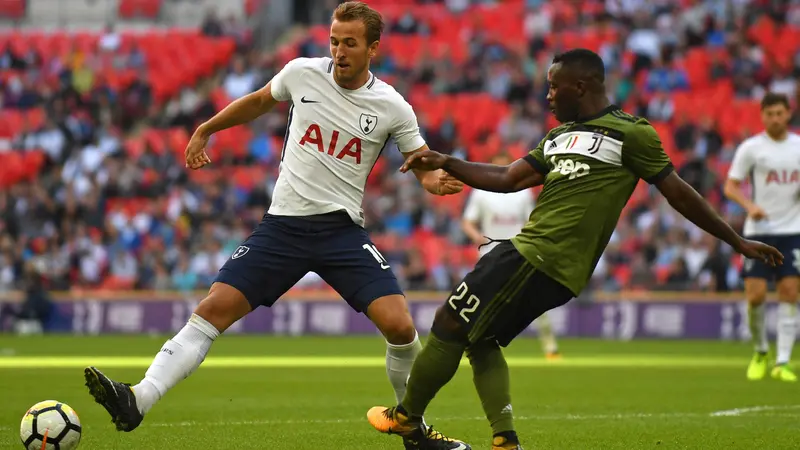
{"points": [[196, 156], [756, 213], [425, 160], [760, 251]]}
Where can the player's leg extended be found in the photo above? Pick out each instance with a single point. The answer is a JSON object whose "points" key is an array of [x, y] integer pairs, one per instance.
{"points": [[353, 266], [257, 273], [493, 383], [177, 359], [755, 289], [390, 314], [547, 337], [787, 327]]}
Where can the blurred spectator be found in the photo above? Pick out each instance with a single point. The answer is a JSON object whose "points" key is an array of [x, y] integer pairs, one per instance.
{"points": [[112, 206]]}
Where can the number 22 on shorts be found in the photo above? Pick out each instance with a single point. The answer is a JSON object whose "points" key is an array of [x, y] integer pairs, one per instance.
{"points": [[472, 302]]}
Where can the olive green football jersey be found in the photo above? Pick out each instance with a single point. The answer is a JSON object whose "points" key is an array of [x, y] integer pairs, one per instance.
{"points": [[592, 168]]}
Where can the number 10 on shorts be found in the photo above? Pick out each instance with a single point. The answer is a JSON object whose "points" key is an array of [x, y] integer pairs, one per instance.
{"points": [[377, 255], [471, 305]]}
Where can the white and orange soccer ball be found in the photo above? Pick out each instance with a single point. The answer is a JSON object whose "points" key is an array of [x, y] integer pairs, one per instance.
{"points": [[50, 425]]}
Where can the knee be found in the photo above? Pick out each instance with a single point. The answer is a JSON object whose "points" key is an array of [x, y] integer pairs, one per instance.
{"points": [[390, 314], [223, 306], [756, 293], [480, 350], [399, 332], [446, 328], [787, 290]]}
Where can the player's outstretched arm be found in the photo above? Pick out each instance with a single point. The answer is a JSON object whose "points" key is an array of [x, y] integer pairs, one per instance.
{"points": [[488, 177], [694, 207], [238, 112]]}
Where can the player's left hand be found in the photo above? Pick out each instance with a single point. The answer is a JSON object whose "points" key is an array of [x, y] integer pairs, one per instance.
{"points": [[424, 160], [760, 251], [195, 153], [448, 184]]}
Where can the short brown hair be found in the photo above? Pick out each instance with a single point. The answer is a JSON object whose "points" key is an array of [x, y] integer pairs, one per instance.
{"points": [[772, 98], [373, 21]]}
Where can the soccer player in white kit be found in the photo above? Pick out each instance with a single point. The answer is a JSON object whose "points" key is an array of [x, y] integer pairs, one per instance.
{"points": [[340, 119], [495, 216], [771, 163]]}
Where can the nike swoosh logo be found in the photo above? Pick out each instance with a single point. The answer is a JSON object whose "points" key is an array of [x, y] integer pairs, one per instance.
{"points": [[461, 447], [303, 100]]}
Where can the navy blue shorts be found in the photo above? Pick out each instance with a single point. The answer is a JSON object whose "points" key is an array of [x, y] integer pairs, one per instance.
{"points": [[283, 249], [789, 245]]}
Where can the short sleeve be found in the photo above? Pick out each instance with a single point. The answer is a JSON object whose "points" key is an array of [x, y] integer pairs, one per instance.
{"points": [[644, 155], [472, 211], [536, 157], [742, 162], [406, 130], [281, 84]]}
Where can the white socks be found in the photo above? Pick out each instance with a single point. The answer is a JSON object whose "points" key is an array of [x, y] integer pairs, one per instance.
{"points": [[178, 358], [787, 331], [758, 328], [399, 359], [546, 335]]}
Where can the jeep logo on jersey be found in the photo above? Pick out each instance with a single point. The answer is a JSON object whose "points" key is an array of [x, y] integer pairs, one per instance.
{"points": [[568, 167], [367, 123], [240, 251]]}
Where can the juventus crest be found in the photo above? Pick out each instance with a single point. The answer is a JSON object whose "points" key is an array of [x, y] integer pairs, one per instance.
{"points": [[367, 123]]}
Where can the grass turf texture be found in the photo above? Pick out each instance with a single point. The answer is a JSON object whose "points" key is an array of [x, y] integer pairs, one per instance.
{"points": [[311, 393]]}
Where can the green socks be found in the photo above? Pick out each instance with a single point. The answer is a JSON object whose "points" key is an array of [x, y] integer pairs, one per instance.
{"points": [[491, 377], [434, 367]]}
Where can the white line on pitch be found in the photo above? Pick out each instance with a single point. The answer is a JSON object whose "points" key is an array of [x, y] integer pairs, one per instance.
{"points": [[751, 409], [545, 417]]}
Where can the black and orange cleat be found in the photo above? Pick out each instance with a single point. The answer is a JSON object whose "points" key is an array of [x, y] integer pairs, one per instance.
{"points": [[416, 435], [503, 443]]}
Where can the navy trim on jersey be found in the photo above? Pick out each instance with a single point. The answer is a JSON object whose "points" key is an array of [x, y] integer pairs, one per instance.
{"points": [[330, 66], [376, 160], [536, 164], [752, 185], [369, 86], [286, 137], [662, 174]]}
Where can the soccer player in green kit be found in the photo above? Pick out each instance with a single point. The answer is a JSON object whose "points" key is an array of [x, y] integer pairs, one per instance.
{"points": [[589, 167]]}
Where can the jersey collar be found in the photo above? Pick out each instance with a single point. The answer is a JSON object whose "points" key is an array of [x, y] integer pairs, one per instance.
{"points": [[607, 110]]}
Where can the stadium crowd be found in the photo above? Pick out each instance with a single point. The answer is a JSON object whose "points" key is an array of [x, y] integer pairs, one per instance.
{"points": [[112, 205]]}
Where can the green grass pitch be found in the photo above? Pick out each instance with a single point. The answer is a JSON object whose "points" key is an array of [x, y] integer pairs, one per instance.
{"points": [[312, 393]]}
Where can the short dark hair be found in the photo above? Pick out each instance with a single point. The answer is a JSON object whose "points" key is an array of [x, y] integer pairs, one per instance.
{"points": [[772, 99], [586, 61], [373, 21]]}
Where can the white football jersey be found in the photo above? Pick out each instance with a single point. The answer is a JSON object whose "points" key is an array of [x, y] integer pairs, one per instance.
{"points": [[499, 215], [773, 169], [335, 136]]}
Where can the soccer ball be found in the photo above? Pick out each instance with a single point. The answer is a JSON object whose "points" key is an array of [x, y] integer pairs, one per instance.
{"points": [[50, 425]]}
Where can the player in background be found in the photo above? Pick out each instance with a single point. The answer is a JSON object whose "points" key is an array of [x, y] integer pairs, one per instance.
{"points": [[590, 166], [340, 120], [493, 217], [771, 162]]}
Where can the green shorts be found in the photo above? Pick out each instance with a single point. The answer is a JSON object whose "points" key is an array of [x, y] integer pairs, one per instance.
{"points": [[503, 295]]}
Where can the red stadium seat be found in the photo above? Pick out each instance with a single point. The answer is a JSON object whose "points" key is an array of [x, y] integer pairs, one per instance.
{"points": [[132, 9], [12, 9]]}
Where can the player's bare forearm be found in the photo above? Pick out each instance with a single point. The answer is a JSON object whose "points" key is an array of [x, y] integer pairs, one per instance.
{"points": [[240, 111], [490, 177], [472, 232], [694, 207], [733, 191]]}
